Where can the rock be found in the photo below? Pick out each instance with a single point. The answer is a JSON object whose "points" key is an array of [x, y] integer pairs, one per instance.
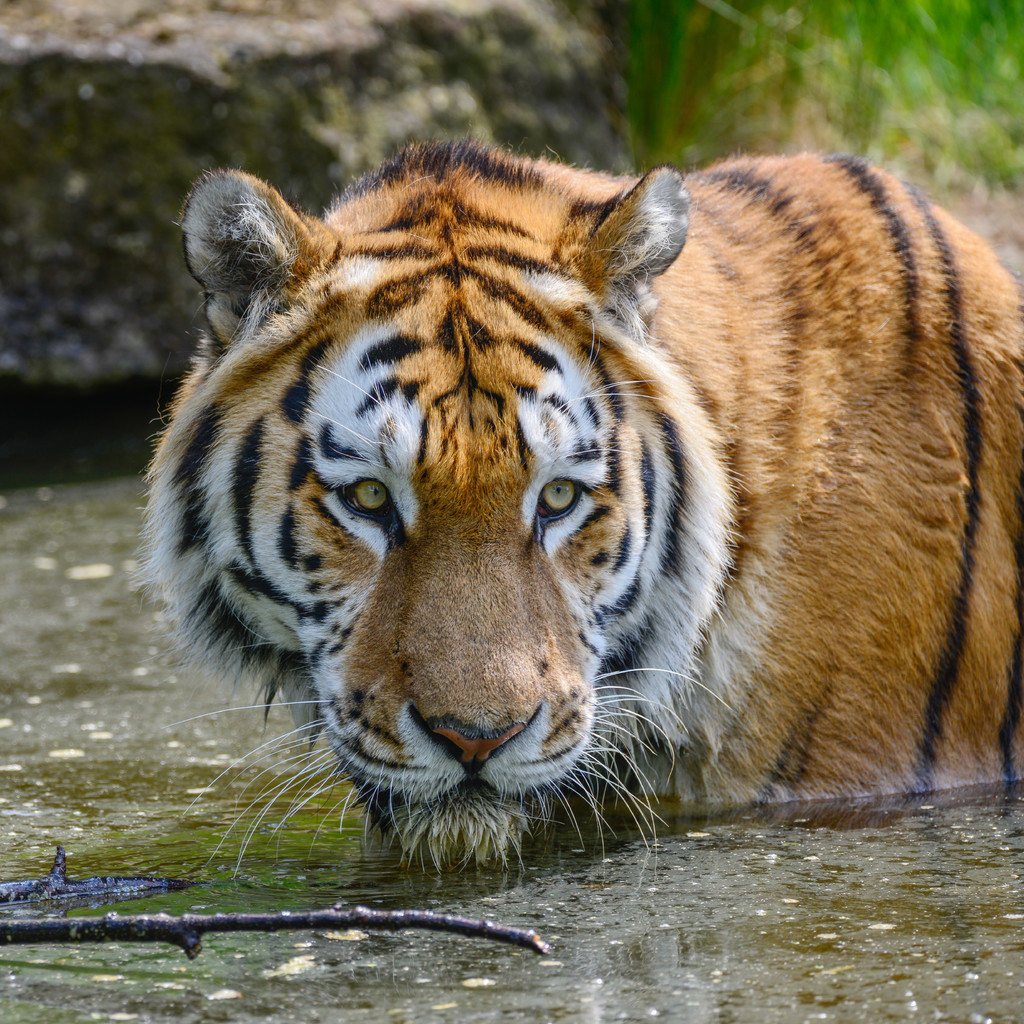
{"points": [[110, 108]]}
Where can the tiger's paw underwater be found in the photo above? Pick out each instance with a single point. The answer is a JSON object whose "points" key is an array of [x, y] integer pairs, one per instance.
{"points": [[523, 483]]}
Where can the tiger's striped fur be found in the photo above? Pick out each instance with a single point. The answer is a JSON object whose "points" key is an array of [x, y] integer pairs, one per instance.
{"points": [[792, 563]]}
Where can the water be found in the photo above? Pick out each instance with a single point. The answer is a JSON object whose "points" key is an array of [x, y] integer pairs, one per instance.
{"points": [[867, 912]]}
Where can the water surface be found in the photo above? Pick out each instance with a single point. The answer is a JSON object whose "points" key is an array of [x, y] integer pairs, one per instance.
{"points": [[864, 912]]}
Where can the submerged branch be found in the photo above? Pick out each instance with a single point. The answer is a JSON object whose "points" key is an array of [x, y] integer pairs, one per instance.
{"points": [[56, 885], [187, 930]]}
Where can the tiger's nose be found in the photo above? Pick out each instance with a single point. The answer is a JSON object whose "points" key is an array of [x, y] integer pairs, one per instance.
{"points": [[476, 748], [467, 743]]}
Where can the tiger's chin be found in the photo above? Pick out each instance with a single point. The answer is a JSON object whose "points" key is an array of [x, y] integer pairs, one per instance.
{"points": [[472, 824]]}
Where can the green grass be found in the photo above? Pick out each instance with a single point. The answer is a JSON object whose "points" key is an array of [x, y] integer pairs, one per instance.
{"points": [[931, 87]]}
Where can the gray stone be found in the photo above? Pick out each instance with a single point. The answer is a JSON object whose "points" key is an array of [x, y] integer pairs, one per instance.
{"points": [[110, 108]]}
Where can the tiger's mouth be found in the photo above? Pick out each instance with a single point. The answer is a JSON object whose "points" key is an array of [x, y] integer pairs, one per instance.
{"points": [[470, 822], [450, 793]]}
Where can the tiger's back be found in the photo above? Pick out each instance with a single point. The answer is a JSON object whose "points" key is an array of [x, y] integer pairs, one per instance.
{"points": [[531, 477], [880, 487]]}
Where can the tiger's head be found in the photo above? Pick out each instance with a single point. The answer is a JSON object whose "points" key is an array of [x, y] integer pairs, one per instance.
{"points": [[431, 480]]}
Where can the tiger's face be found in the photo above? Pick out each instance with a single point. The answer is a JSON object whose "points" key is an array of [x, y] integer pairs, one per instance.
{"points": [[426, 481], [453, 464]]}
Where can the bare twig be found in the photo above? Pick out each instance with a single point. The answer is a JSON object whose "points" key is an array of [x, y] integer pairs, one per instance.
{"points": [[186, 931], [56, 885]]}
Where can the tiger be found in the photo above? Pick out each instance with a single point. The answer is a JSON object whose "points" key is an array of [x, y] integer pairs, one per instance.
{"points": [[520, 482]]}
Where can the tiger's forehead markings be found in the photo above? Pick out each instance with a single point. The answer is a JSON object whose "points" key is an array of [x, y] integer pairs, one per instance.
{"points": [[560, 423], [356, 397], [424, 211], [467, 284], [390, 350]]}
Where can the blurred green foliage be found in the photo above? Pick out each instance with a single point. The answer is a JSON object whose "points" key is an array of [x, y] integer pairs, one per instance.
{"points": [[930, 87]]}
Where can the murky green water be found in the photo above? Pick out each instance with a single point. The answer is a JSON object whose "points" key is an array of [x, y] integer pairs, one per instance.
{"points": [[869, 913]]}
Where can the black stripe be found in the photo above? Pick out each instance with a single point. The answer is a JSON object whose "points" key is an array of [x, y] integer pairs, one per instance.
{"points": [[609, 390], [438, 160], [647, 483], [465, 215], [213, 616], [560, 403], [583, 454], [286, 545], [199, 447], [318, 611], [537, 355], [393, 296], [458, 330], [407, 251], [503, 292], [596, 514], [1015, 684], [620, 607], [395, 532], [672, 553], [301, 465], [447, 333], [614, 467], [326, 513], [521, 446], [330, 449], [594, 209], [418, 215], [500, 254], [296, 398], [252, 581], [247, 469], [746, 181], [316, 656], [424, 434], [421, 214], [949, 660], [451, 270], [391, 350], [381, 391], [195, 526], [626, 655], [497, 399], [478, 335], [741, 179], [871, 185]]}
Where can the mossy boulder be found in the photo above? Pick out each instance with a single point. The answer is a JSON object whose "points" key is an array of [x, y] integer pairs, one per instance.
{"points": [[110, 108]]}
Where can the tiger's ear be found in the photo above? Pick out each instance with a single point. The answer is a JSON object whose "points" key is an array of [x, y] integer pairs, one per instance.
{"points": [[639, 239], [245, 244]]}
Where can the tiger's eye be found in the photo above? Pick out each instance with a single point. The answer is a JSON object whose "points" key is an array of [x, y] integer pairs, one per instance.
{"points": [[368, 495], [557, 496]]}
